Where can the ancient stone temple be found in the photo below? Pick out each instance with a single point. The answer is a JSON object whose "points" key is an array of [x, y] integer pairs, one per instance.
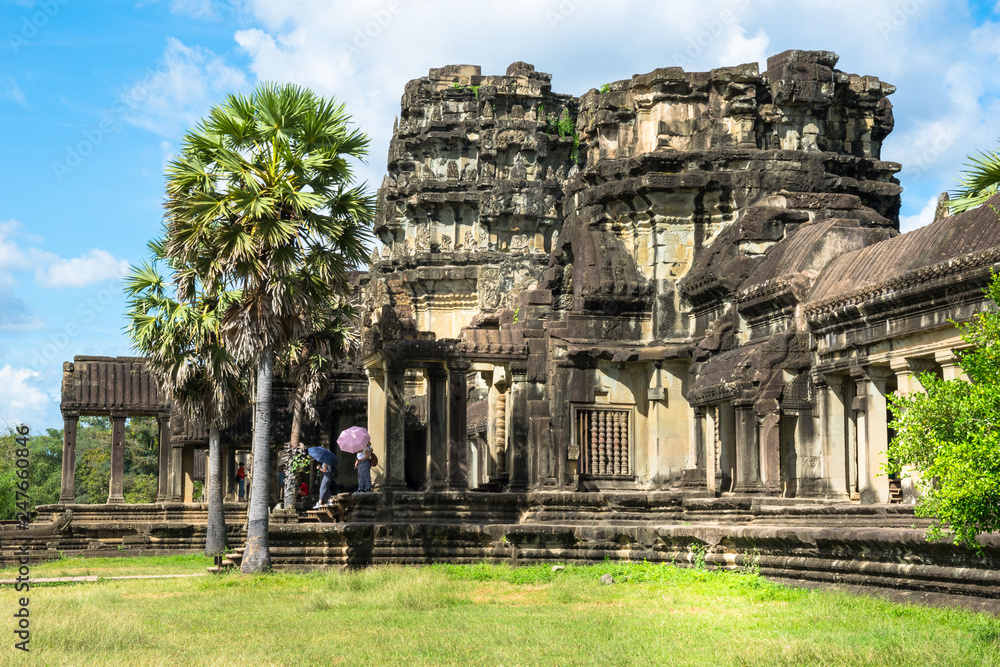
{"points": [[664, 313], [682, 281]]}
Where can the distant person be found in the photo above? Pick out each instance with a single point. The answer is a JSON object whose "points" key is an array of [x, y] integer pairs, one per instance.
{"points": [[364, 466], [241, 475], [303, 490], [326, 485]]}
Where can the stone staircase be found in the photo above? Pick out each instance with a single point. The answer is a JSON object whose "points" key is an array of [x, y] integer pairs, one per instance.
{"points": [[230, 561]]}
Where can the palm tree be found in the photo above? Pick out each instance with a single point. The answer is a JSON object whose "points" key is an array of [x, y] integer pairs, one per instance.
{"points": [[259, 202], [180, 340], [308, 363], [978, 182]]}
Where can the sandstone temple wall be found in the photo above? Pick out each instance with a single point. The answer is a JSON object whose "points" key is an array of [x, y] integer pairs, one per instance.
{"points": [[644, 287]]}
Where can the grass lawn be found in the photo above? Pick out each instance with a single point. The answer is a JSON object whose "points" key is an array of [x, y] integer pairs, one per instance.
{"points": [[482, 615], [113, 567]]}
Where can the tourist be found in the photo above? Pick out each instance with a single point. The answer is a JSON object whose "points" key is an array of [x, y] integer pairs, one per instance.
{"points": [[364, 466], [303, 490], [326, 485], [241, 476]]}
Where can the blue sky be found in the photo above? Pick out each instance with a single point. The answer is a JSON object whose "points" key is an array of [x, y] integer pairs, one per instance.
{"points": [[94, 97]]}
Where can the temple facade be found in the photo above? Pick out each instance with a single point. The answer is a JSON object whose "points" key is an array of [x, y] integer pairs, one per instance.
{"points": [[683, 281], [688, 282]]}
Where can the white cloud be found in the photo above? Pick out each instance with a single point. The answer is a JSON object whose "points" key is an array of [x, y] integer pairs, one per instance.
{"points": [[91, 267], [907, 223], [22, 401], [182, 90], [210, 10], [364, 51], [51, 270]]}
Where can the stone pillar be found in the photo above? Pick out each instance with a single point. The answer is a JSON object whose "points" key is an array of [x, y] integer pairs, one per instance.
{"points": [[747, 450], [713, 475], [500, 432], [838, 468], [176, 473], [873, 483], [907, 370], [117, 484], [163, 450], [437, 427], [187, 465], [699, 441], [770, 451], [458, 437], [395, 424], [376, 411], [950, 369], [229, 473], [70, 421], [517, 438]]}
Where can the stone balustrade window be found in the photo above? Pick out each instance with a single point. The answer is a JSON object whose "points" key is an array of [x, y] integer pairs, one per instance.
{"points": [[604, 437]]}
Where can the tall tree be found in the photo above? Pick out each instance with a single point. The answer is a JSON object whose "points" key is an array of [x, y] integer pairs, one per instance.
{"points": [[260, 201], [184, 351], [309, 363]]}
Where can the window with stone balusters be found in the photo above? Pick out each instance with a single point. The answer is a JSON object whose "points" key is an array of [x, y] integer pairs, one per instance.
{"points": [[604, 436]]}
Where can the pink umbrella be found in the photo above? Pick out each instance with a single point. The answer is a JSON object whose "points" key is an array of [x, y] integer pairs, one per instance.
{"points": [[354, 439]]}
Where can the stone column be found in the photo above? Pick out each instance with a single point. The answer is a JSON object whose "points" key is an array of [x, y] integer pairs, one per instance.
{"points": [[229, 473], [517, 451], [117, 484], [176, 473], [949, 366], [500, 432], [70, 421], [699, 441], [395, 424], [376, 410], [163, 450], [437, 427], [458, 437], [907, 370], [747, 450], [873, 483], [187, 463], [713, 475], [770, 451], [838, 468]]}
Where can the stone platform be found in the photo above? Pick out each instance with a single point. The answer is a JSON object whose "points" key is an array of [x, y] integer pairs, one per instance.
{"points": [[809, 541]]}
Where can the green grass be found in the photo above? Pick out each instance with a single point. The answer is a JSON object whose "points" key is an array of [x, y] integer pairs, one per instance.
{"points": [[490, 615], [114, 567]]}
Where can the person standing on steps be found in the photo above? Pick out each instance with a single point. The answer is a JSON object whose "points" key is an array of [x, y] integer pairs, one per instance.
{"points": [[364, 466], [241, 475], [326, 485]]}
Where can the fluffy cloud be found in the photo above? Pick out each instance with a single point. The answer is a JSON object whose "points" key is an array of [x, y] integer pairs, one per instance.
{"points": [[180, 92], [363, 52], [91, 267], [51, 270], [22, 401]]}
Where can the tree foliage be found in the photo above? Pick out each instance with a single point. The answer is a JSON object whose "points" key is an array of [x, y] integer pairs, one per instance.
{"points": [[260, 203], [978, 182], [951, 436]]}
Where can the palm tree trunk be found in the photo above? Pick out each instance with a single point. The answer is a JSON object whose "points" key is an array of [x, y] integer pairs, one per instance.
{"points": [[257, 556], [293, 445], [215, 540]]}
